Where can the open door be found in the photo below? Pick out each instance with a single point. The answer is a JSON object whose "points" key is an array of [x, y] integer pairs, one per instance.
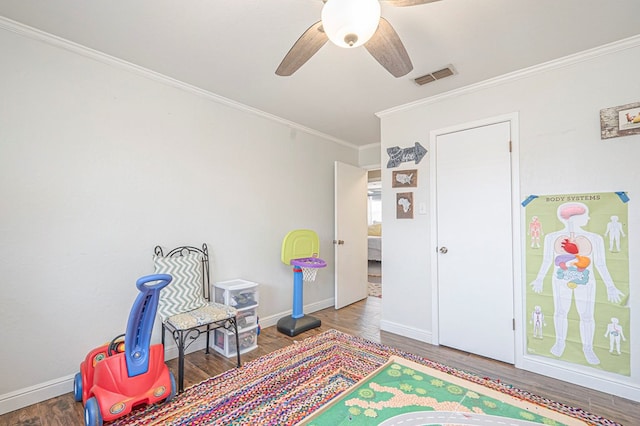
{"points": [[475, 240], [350, 234]]}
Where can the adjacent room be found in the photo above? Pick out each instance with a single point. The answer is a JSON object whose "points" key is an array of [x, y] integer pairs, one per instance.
{"points": [[194, 195], [374, 233]]}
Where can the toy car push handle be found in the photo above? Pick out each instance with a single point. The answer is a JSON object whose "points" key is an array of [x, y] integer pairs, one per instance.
{"points": [[140, 325], [164, 280]]}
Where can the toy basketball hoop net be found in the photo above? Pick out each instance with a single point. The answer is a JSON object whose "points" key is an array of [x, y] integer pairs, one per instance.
{"points": [[309, 267]]}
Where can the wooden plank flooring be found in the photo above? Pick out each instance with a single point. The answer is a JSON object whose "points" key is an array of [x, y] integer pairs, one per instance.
{"points": [[361, 319]]}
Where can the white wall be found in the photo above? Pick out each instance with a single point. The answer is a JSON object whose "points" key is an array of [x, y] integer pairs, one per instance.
{"points": [[369, 156], [560, 152], [99, 162]]}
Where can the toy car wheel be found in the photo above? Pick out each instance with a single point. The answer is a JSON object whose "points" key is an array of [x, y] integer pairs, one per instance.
{"points": [[77, 387], [173, 387], [92, 416]]}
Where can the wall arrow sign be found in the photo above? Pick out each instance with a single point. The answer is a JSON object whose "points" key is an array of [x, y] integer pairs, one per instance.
{"points": [[399, 155]]}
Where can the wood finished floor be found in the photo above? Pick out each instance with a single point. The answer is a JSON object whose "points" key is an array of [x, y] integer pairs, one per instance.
{"points": [[360, 319]]}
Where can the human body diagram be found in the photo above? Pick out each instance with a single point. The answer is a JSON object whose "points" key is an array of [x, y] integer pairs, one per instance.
{"points": [[535, 231], [614, 231], [537, 319], [614, 332], [574, 253]]}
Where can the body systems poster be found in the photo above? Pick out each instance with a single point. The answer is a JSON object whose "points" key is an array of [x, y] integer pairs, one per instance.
{"points": [[577, 268]]}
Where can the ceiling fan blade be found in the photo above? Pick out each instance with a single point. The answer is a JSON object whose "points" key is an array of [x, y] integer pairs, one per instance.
{"points": [[303, 49], [403, 3], [385, 46]]}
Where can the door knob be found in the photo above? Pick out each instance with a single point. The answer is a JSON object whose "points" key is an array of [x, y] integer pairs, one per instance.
{"points": [[443, 250], [338, 241]]}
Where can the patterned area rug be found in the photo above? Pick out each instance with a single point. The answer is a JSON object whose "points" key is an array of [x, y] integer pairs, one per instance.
{"points": [[288, 385]]}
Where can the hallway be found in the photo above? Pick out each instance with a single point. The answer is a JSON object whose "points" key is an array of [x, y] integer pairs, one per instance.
{"points": [[374, 272]]}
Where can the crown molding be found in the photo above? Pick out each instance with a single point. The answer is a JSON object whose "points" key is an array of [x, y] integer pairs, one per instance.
{"points": [[53, 40], [369, 146], [607, 49]]}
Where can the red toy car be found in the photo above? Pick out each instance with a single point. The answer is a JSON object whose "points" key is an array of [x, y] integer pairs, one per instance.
{"points": [[114, 380]]}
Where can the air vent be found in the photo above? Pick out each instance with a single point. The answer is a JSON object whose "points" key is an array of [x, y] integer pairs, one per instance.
{"points": [[428, 78], [436, 75]]}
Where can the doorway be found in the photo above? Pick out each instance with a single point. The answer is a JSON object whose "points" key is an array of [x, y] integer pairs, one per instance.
{"points": [[374, 233], [473, 229]]}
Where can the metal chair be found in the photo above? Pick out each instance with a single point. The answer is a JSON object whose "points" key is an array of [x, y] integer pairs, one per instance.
{"points": [[185, 306]]}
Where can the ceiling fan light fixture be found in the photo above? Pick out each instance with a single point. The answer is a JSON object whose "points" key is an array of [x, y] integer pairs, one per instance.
{"points": [[350, 23]]}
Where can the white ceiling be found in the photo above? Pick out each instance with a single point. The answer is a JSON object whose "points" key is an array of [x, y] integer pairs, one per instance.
{"points": [[232, 48]]}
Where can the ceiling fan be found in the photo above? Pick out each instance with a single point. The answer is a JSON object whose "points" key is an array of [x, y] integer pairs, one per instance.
{"points": [[349, 24]]}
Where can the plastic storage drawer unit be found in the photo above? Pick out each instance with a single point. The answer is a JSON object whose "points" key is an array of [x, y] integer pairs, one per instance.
{"points": [[242, 295], [237, 293]]}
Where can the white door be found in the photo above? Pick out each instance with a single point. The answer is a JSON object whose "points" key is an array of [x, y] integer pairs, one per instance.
{"points": [[474, 241], [350, 234]]}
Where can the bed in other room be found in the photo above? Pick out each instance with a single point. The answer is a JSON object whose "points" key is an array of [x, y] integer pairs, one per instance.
{"points": [[375, 242]]}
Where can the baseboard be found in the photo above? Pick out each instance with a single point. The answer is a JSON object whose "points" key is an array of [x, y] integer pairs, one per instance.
{"points": [[403, 330], [313, 307], [33, 394], [41, 392], [587, 379]]}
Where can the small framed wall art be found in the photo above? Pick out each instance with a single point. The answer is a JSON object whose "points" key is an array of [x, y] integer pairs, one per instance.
{"points": [[619, 121], [404, 205], [404, 178]]}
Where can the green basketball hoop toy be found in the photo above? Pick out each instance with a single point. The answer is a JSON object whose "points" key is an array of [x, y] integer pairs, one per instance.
{"points": [[300, 249]]}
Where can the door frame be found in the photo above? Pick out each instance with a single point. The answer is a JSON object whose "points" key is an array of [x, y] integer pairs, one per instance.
{"points": [[516, 241]]}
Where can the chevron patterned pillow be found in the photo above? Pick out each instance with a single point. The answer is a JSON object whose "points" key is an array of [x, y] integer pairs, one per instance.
{"points": [[184, 293]]}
